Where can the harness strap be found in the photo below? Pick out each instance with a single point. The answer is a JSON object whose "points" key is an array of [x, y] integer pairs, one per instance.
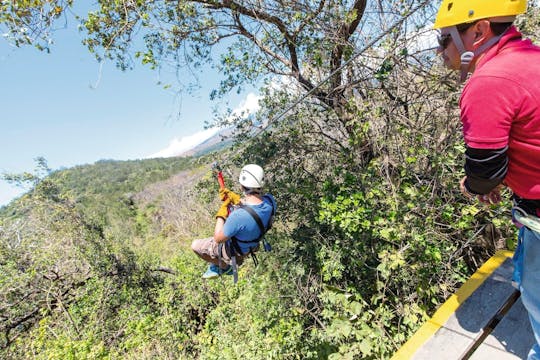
{"points": [[254, 257], [229, 250], [222, 246], [232, 248], [530, 221], [234, 268], [235, 249], [220, 249]]}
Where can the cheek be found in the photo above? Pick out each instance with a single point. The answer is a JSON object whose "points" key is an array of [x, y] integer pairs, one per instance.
{"points": [[451, 50], [452, 54]]}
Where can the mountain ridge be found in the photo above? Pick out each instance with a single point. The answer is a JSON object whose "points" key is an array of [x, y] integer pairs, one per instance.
{"points": [[215, 142]]}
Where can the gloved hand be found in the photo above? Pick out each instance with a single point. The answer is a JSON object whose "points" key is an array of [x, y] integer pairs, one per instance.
{"points": [[225, 194], [223, 211]]}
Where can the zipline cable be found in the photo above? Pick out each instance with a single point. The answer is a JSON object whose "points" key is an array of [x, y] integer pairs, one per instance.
{"points": [[342, 66]]}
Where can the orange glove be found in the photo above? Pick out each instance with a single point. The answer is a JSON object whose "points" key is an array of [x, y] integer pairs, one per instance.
{"points": [[223, 211], [225, 194]]}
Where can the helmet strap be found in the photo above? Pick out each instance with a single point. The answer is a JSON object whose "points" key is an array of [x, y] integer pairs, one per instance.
{"points": [[467, 57]]}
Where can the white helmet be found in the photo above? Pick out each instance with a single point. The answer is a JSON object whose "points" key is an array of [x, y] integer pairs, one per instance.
{"points": [[252, 176]]}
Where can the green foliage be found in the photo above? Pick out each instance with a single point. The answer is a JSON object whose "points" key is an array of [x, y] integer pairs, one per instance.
{"points": [[252, 320], [529, 22], [29, 179], [31, 21], [356, 283], [371, 235]]}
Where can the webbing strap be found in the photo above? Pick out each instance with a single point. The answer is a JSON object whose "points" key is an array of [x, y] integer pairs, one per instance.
{"points": [[530, 221], [233, 249], [254, 257], [234, 268], [229, 250]]}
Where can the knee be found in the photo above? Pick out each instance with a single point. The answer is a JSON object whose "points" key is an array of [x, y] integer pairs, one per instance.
{"points": [[195, 245]]}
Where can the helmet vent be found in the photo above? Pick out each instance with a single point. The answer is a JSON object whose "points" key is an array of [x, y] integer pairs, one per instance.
{"points": [[471, 13], [450, 5]]}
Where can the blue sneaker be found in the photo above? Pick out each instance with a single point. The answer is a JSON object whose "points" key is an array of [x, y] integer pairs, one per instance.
{"points": [[212, 272], [227, 271], [215, 271]]}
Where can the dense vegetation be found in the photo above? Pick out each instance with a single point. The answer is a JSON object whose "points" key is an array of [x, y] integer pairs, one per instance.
{"points": [[96, 261], [371, 235]]}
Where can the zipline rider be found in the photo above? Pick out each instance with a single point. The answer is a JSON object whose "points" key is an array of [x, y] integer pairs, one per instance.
{"points": [[500, 112], [240, 225]]}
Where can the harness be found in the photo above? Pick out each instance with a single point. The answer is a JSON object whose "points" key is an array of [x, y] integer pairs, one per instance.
{"points": [[232, 248], [526, 213]]}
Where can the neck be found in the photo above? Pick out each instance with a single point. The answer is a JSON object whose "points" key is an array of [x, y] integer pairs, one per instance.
{"points": [[252, 199]]}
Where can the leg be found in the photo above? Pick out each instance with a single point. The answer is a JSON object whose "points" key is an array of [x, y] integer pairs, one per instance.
{"points": [[208, 250], [530, 284]]}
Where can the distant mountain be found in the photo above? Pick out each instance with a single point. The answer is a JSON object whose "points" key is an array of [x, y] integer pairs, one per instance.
{"points": [[218, 141]]}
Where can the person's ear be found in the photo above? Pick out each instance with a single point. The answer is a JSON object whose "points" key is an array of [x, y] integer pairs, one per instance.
{"points": [[482, 30]]}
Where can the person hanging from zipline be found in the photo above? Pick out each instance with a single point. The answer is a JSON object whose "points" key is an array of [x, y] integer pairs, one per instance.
{"points": [[500, 112], [241, 223]]}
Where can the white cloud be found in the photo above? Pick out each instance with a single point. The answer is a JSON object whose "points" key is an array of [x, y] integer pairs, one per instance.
{"points": [[249, 106], [9, 192], [178, 146]]}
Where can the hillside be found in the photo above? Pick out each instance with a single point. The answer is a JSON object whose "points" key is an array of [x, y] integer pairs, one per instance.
{"points": [[363, 152], [92, 227], [101, 255]]}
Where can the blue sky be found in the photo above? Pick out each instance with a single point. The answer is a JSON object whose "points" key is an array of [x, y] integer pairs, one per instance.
{"points": [[66, 108]]}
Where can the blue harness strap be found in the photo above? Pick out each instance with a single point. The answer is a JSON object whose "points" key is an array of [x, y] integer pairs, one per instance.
{"points": [[232, 248]]}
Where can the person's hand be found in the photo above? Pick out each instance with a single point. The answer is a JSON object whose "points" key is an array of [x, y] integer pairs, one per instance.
{"points": [[493, 197], [464, 190], [223, 211], [225, 194]]}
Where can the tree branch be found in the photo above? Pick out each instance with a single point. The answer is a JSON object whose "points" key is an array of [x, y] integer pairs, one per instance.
{"points": [[344, 33], [290, 42]]}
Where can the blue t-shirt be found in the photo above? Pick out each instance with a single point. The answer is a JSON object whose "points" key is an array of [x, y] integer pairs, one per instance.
{"points": [[243, 226]]}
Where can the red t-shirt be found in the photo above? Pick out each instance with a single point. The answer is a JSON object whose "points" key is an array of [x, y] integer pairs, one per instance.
{"points": [[500, 106]]}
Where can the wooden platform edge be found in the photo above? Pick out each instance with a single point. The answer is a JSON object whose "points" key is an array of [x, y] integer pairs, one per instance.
{"points": [[430, 327]]}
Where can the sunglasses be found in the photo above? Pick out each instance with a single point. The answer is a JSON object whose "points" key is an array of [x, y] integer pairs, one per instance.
{"points": [[444, 40]]}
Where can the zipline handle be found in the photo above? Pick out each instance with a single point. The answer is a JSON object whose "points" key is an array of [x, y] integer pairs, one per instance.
{"points": [[217, 168], [220, 180]]}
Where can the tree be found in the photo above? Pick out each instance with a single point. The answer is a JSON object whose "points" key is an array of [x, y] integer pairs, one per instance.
{"points": [[307, 42], [366, 164]]}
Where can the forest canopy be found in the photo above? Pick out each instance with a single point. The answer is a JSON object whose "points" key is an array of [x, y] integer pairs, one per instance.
{"points": [[371, 233]]}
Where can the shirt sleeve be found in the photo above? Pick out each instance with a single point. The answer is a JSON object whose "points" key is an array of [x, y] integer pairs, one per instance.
{"points": [[234, 224], [485, 169], [488, 106]]}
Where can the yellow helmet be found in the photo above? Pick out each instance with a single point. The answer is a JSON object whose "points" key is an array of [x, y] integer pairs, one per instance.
{"points": [[454, 12]]}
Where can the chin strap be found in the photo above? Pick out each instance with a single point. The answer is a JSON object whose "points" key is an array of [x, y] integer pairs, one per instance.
{"points": [[467, 57]]}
